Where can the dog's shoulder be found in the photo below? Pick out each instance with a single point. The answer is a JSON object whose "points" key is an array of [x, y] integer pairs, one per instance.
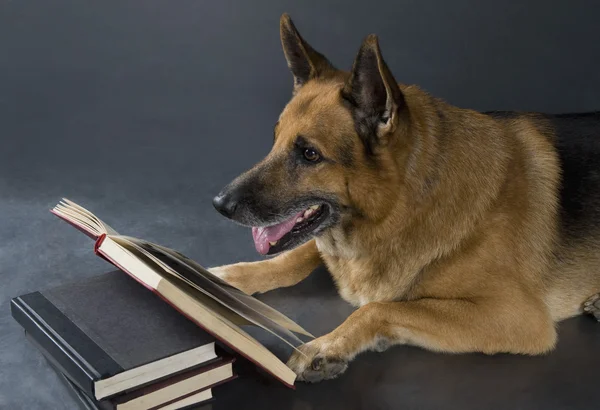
{"points": [[576, 139]]}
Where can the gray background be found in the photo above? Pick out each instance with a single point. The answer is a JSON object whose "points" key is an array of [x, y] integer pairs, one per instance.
{"points": [[143, 110]]}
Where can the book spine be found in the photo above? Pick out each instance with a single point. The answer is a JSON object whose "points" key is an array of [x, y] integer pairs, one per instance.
{"points": [[63, 340], [97, 249], [85, 402]]}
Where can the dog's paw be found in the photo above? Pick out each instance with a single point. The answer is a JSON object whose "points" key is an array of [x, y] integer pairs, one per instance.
{"points": [[220, 272], [233, 275], [314, 364], [592, 306]]}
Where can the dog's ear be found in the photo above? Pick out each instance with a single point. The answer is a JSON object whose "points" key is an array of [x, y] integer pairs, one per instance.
{"points": [[373, 94], [304, 62]]}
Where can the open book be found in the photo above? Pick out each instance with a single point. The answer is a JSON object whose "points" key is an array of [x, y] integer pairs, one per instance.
{"points": [[202, 297]]}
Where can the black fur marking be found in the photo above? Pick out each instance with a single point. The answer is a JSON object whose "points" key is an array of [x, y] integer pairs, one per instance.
{"points": [[296, 58], [367, 136], [296, 160], [347, 226], [293, 165], [247, 193], [302, 142], [275, 131], [577, 139], [345, 152], [366, 94], [502, 115], [348, 190], [304, 62], [347, 229], [441, 115], [329, 217]]}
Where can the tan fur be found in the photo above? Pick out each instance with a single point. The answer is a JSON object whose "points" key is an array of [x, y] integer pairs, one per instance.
{"points": [[452, 239]]}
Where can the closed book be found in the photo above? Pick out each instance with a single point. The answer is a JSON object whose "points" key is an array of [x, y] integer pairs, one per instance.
{"points": [[183, 391], [110, 335], [83, 401]]}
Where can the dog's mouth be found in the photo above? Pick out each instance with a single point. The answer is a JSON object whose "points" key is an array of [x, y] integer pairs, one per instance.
{"points": [[293, 231]]}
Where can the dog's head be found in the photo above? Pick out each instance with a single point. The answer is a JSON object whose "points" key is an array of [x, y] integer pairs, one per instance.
{"points": [[331, 150]]}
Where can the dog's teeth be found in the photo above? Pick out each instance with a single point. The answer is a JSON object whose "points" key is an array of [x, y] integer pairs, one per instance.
{"points": [[299, 219], [273, 243], [307, 213], [315, 207]]}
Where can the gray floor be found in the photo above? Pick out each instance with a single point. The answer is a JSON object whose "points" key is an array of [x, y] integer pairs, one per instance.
{"points": [[143, 110]]}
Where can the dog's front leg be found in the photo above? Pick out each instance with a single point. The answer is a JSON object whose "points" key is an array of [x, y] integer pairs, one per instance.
{"points": [[286, 269], [446, 325]]}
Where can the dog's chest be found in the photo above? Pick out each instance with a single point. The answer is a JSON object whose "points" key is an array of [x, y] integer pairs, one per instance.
{"points": [[357, 281]]}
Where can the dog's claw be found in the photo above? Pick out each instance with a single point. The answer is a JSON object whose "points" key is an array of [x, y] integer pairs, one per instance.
{"points": [[313, 366], [592, 306], [326, 369], [317, 363]]}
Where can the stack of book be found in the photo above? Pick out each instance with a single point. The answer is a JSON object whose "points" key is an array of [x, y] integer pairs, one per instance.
{"points": [[118, 346]]}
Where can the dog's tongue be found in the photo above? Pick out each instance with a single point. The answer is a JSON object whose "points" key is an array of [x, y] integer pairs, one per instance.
{"points": [[262, 236]]}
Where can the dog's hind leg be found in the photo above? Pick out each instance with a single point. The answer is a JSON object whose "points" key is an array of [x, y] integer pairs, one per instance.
{"points": [[592, 306], [443, 325], [284, 270]]}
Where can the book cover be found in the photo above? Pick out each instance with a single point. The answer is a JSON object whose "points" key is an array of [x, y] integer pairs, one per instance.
{"points": [[194, 399], [103, 326]]}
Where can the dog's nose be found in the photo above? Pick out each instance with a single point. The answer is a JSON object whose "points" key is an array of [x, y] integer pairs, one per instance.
{"points": [[225, 204]]}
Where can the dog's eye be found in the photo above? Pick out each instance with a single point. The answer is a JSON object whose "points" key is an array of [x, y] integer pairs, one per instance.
{"points": [[311, 155]]}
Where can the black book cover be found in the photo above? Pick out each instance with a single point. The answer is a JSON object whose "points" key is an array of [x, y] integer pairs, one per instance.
{"points": [[83, 400], [86, 403], [103, 326]]}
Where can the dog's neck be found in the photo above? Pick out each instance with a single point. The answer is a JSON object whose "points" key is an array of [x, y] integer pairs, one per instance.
{"points": [[432, 213]]}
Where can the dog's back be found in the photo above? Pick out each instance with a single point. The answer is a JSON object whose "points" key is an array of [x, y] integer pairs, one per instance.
{"points": [[576, 138]]}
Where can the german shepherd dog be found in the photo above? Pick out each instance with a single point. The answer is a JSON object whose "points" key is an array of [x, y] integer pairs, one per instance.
{"points": [[449, 229]]}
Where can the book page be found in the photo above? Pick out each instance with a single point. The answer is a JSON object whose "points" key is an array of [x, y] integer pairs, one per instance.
{"points": [[249, 300], [92, 225], [78, 215], [183, 291], [230, 315], [182, 296], [181, 271]]}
